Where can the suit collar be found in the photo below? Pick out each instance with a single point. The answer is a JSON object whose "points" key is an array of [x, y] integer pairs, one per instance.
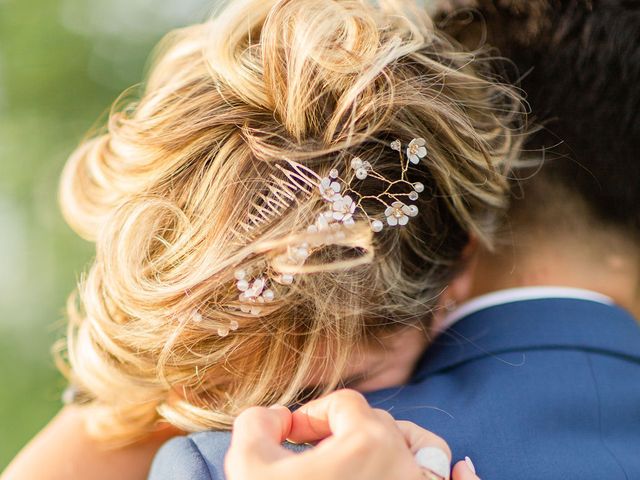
{"points": [[520, 294], [558, 323]]}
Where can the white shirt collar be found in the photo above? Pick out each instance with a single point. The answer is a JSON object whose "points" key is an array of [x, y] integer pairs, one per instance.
{"points": [[511, 295]]}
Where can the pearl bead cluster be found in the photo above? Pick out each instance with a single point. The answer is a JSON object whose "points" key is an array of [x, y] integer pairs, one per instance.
{"points": [[361, 168], [252, 293]]}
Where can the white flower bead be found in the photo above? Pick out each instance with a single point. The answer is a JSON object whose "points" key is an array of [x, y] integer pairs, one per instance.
{"points": [[413, 211], [416, 150], [333, 173], [242, 285], [240, 274], [328, 188], [418, 187], [343, 209], [397, 214], [223, 331], [413, 196], [396, 145], [361, 173]]}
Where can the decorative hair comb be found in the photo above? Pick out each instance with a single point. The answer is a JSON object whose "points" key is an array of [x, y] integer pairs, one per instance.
{"points": [[343, 205]]}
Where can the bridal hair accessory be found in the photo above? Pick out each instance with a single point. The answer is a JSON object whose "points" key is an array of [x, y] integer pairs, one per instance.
{"points": [[343, 205]]}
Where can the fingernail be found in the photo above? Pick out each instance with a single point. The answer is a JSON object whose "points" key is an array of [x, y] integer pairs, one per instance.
{"points": [[435, 460], [278, 407], [470, 464]]}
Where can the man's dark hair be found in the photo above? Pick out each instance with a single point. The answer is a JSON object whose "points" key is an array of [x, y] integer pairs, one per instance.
{"points": [[580, 68]]}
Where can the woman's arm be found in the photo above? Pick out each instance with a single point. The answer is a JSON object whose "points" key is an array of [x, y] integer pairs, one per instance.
{"points": [[64, 451]]}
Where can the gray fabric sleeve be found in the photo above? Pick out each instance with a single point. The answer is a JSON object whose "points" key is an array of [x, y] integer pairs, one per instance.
{"points": [[199, 456], [180, 459]]}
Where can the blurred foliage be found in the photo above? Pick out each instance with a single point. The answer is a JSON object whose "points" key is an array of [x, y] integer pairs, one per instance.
{"points": [[62, 63]]}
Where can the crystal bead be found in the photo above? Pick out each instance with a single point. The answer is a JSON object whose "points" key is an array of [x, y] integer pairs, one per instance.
{"points": [[361, 174], [268, 295], [356, 163]]}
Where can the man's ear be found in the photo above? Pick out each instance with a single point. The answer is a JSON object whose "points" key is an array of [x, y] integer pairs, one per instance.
{"points": [[459, 290], [460, 287], [471, 248]]}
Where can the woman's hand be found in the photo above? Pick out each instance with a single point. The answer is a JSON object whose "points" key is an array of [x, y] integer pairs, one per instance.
{"points": [[356, 442]]}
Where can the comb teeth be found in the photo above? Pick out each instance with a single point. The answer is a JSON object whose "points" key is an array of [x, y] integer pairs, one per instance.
{"points": [[282, 194]]}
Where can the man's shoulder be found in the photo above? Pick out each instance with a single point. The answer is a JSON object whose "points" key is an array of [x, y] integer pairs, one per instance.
{"points": [[199, 456]]}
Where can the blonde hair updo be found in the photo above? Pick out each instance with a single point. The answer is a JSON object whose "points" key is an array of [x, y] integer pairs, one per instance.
{"points": [[168, 189]]}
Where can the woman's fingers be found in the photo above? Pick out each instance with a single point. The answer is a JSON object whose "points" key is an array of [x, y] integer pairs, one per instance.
{"points": [[257, 436], [464, 470], [347, 413], [337, 413], [351, 427], [258, 424], [358, 442]]}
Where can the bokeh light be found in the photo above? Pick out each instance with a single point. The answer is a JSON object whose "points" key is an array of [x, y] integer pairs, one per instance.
{"points": [[62, 63]]}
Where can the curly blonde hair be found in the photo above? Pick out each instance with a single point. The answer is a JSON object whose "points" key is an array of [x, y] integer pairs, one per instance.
{"points": [[164, 190]]}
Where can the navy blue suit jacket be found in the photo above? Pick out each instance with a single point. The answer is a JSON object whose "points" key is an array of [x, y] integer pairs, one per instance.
{"points": [[537, 389]]}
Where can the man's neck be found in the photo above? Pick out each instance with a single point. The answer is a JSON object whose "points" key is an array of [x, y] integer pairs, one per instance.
{"points": [[604, 263]]}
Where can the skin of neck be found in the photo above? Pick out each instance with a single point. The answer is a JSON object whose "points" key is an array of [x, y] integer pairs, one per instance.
{"points": [[562, 251], [590, 257]]}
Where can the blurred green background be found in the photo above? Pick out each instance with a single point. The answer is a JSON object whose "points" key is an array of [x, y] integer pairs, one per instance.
{"points": [[62, 62]]}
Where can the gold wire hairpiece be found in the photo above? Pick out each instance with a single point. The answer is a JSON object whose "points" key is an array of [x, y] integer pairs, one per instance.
{"points": [[342, 203]]}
